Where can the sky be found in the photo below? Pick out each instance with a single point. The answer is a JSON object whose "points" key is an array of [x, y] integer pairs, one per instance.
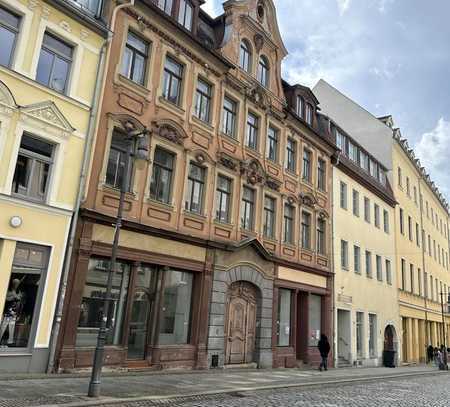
{"points": [[390, 56]]}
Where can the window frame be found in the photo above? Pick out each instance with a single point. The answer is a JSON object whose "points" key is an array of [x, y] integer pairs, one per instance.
{"points": [[321, 175], [263, 73], [168, 80], [165, 168], [270, 213], [252, 132], [220, 194], [202, 97], [248, 207], [135, 51], [307, 165], [245, 56], [229, 114], [192, 183], [272, 144], [183, 6], [14, 30], [291, 155], [288, 223]]}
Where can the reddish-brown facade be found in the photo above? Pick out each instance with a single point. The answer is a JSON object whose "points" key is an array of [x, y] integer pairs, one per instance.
{"points": [[248, 245]]}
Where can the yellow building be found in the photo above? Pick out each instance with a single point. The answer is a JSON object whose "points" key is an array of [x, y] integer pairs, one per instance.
{"points": [[366, 316], [421, 230], [49, 61]]}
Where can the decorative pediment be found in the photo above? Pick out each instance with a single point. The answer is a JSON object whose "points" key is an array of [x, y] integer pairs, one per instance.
{"points": [[254, 172], [202, 157], [273, 183], [6, 97], [49, 113], [323, 214], [227, 161], [259, 97], [308, 199], [169, 130]]}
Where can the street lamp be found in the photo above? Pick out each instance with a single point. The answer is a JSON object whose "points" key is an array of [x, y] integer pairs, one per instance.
{"points": [[137, 137]]}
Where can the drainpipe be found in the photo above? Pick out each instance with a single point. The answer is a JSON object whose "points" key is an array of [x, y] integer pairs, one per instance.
{"points": [[100, 84]]}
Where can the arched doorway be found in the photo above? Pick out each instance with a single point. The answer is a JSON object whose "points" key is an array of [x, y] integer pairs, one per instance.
{"points": [[390, 346], [240, 326]]}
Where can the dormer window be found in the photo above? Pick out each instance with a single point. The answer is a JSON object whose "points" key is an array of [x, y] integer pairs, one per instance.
{"points": [[299, 106], [185, 14], [166, 6], [309, 114], [263, 71], [245, 56]]}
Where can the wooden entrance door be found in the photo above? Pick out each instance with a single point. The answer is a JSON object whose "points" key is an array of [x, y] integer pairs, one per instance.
{"points": [[241, 323]]}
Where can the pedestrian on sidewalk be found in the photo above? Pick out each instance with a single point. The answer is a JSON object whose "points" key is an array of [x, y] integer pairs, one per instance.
{"points": [[324, 349], [429, 354]]}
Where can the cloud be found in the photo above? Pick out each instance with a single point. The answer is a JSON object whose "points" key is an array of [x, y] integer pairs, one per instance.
{"points": [[433, 150], [213, 7], [383, 4], [343, 6]]}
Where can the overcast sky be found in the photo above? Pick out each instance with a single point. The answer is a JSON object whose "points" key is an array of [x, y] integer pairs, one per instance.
{"points": [[390, 56]]}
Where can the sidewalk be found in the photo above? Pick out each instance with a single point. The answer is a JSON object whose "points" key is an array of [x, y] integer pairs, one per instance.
{"points": [[71, 391]]}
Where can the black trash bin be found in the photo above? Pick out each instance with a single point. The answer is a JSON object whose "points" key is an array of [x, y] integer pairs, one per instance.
{"points": [[389, 358]]}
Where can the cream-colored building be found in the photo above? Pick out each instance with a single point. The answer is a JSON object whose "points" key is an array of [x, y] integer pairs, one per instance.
{"points": [[366, 314], [48, 70]]}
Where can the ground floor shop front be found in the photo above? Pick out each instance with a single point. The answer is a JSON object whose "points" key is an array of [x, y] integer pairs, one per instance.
{"points": [[179, 303]]}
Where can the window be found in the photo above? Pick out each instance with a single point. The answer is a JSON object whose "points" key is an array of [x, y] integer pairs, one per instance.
{"points": [[415, 194], [408, 187], [340, 141], [175, 314], [203, 100], [353, 152], [245, 57], [402, 226], [54, 63], [300, 106], [367, 209], [223, 199], [429, 245], [431, 288], [33, 168], [291, 150], [269, 217], [314, 319], [21, 307], [173, 77], [372, 168], [263, 71], [9, 31], [344, 254], [388, 272], [368, 264], [161, 184], [419, 281], [272, 144], [403, 286], [91, 307], [355, 202], [321, 247], [248, 208], [306, 230], [417, 235], [399, 175], [364, 161], [411, 277], [357, 259], [307, 161], [343, 195], [410, 232], [379, 268], [309, 114], [229, 117], [185, 14], [289, 221], [252, 131], [376, 214], [165, 5], [195, 189], [321, 174], [134, 61], [372, 335], [359, 334], [386, 221], [284, 317]]}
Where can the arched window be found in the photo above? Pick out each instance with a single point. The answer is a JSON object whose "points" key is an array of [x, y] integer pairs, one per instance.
{"points": [[263, 71], [245, 56]]}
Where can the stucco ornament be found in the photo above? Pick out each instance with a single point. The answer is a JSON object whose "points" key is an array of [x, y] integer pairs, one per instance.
{"points": [[258, 96], [258, 39], [308, 199], [227, 161], [253, 170], [48, 112], [169, 132], [273, 183]]}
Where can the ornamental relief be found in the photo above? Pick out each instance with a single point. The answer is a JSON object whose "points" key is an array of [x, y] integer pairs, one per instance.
{"points": [[169, 132]]}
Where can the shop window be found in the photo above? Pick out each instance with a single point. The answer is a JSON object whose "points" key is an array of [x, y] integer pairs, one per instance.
{"points": [[91, 308], [161, 184], [54, 63], [174, 323], [284, 317], [9, 31], [134, 61], [172, 80], [117, 162], [23, 294], [33, 168], [315, 319]]}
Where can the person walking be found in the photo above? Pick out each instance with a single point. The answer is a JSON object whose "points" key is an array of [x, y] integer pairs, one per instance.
{"points": [[324, 349], [430, 354]]}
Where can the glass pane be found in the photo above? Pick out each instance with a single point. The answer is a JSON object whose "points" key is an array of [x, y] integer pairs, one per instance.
{"points": [[21, 175], [176, 308], [7, 39], [284, 317], [21, 298], [8, 18], [126, 62], [315, 319], [137, 43], [91, 308], [60, 75], [44, 67], [57, 45], [139, 69], [36, 146]]}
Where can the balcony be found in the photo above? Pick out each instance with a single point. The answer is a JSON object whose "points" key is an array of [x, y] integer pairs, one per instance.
{"points": [[92, 7]]}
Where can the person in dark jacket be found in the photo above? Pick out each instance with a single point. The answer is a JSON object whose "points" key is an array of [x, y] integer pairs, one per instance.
{"points": [[324, 349], [430, 354]]}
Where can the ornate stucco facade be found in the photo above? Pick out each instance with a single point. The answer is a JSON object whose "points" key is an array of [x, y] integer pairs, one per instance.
{"points": [[44, 121]]}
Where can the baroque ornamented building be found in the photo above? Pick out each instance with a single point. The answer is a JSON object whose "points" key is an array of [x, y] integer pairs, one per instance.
{"points": [[45, 114], [225, 250]]}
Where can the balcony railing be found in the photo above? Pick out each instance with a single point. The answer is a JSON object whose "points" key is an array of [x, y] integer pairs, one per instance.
{"points": [[89, 6]]}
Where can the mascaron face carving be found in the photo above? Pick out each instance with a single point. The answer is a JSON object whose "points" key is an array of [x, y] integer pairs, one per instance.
{"points": [[253, 170]]}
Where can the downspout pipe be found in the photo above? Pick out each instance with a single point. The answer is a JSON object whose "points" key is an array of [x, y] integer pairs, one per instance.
{"points": [[99, 90]]}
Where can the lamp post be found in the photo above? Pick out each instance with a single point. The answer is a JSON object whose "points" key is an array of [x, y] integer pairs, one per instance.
{"points": [[137, 145], [443, 331]]}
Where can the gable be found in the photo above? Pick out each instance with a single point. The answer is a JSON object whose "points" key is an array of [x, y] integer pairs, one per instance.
{"points": [[48, 112]]}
